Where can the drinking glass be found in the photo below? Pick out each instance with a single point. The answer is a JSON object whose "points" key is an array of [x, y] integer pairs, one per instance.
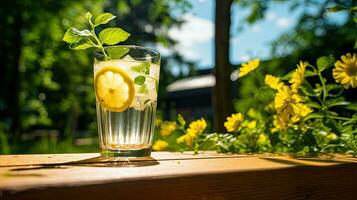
{"points": [[126, 84]]}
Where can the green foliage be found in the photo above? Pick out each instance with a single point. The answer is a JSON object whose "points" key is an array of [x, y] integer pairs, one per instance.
{"points": [[116, 52], [101, 19], [45, 86], [299, 118], [325, 62], [79, 40], [111, 36], [66, 146], [4, 144]]}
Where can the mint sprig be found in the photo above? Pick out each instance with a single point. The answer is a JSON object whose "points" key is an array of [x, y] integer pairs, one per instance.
{"points": [[84, 39], [143, 70]]}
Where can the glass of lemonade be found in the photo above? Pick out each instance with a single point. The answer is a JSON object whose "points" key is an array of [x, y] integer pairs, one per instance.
{"points": [[126, 84]]}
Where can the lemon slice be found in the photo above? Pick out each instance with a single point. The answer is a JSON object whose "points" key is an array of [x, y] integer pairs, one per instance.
{"points": [[114, 88]]}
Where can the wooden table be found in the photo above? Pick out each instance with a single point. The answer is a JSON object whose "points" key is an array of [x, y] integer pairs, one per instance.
{"points": [[177, 176]]}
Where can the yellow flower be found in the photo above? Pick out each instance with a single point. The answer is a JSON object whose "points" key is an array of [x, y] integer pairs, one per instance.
{"points": [[188, 139], [289, 107], [273, 82], [248, 67], [262, 139], [280, 123], [233, 122], [298, 76], [285, 97], [301, 110], [160, 145], [158, 123], [196, 127], [345, 71], [252, 124], [167, 128]]}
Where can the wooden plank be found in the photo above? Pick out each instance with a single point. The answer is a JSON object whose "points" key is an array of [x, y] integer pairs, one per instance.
{"points": [[177, 176]]}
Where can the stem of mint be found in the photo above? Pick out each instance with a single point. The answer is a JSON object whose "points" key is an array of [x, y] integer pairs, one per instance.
{"points": [[99, 44], [84, 39]]}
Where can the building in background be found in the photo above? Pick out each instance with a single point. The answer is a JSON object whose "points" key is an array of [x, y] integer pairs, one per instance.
{"points": [[192, 96]]}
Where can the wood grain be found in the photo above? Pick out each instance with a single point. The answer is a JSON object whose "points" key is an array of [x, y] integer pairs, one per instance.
{"points": [[177, 176]]}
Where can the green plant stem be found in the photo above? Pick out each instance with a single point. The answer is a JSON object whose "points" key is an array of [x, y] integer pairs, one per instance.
{"points": [[99, 44], [324, 91], [341, 118], [149, 76]]}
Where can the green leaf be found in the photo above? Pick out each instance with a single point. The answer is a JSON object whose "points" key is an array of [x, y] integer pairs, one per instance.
{"points": [[112, 36], [336, 8], [310, 73], [352, 107], [307, 89], [325, 62], [139, 80], [355, 47], [337, 102], [313, 104], [143, 68], [332, 86], [334, 90], [314, 116], [116, 52], [74, 35], [103, 19], [82, 44], [143, 89], [287, 76]]}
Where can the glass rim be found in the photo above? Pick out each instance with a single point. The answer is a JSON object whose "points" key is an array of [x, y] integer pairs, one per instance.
{"points": [[153, 53]]}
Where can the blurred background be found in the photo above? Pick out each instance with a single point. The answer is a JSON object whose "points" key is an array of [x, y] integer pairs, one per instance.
{"points": [[47, 103]]}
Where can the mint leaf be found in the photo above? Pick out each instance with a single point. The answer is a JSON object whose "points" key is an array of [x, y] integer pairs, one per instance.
{"points": [[89, 16], [82, 44], [325, 62], [139, 80], [103, 19], [143, 90], [74, 35], [112, 36], [143, 68], [116, 52]]}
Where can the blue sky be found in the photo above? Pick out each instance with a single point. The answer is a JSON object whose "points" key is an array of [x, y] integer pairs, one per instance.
{"points": [[196, 35]]}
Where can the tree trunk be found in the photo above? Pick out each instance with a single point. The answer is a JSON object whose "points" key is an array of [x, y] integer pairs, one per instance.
{"points": [[222, 98]]}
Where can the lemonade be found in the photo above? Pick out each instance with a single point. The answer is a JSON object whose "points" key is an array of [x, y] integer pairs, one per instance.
{"points": [[126, 79], [126, 98]]}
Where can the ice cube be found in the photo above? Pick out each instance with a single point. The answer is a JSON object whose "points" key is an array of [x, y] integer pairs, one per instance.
{"points": [[128, 57]]}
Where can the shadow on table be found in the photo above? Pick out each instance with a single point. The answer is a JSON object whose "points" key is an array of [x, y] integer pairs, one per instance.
{"points": [[95, 162]]}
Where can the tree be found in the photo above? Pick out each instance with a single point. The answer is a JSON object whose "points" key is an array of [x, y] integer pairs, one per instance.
{"points": [[45, 85], [222, 97]]}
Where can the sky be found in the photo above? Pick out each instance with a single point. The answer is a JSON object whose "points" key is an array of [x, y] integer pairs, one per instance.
{"points": [[196, 35]]}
